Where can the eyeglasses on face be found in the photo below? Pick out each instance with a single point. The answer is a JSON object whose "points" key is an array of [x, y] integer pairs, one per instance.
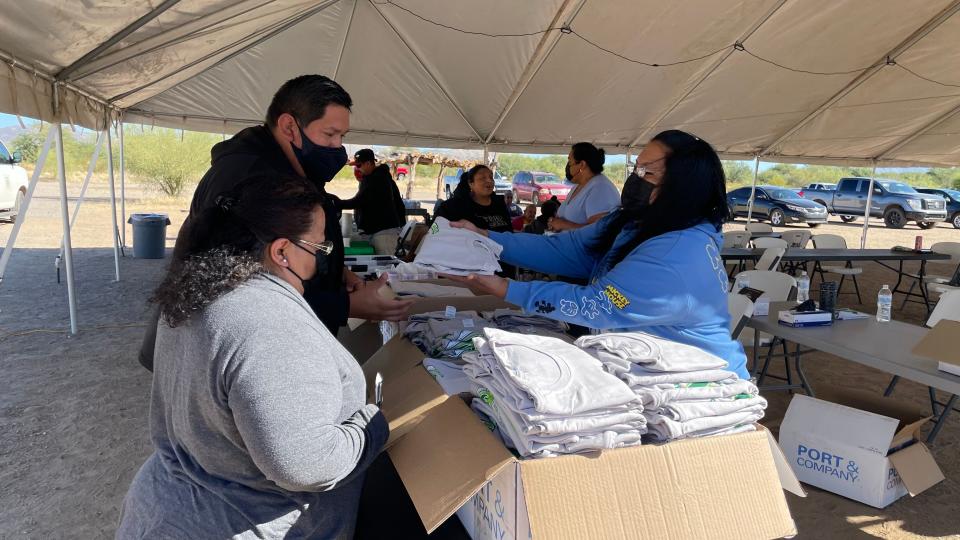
{"points": [[324, 248]]}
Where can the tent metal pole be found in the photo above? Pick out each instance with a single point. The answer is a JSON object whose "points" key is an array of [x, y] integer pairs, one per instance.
{"points": [[486, 155], [866, 211], [83, 194], [753, 187], [21, 215], [626, 168], [123, 189], [114, 232], [65, 214]]}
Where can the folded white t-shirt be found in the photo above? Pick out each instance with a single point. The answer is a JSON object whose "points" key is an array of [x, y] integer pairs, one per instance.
{"points": [[559, 377], [458, 251], [620, 349]]}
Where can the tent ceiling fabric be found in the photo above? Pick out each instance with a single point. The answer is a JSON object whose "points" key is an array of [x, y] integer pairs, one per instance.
{"points": [[214, 65]]}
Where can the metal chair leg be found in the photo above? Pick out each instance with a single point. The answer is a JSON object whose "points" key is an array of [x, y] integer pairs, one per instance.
{"points": [[890, 387], [856, 286], [766, 363], [942, 417], [803, 378], [906, 297], [786, 364]]}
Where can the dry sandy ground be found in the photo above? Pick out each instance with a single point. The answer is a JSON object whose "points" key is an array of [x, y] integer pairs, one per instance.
{"points": [[73, 410]]}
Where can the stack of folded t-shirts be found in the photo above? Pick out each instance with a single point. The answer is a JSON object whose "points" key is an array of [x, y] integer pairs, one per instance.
{"points": [[443, 337], [458, 251], [547, 397], [685, 391], [515, 320]]}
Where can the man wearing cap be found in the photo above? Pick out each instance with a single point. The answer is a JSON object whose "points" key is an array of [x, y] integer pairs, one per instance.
{"points": [[378, 205]]}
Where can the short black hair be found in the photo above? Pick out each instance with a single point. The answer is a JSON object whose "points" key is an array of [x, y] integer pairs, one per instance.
{"points": [[306, 98]]}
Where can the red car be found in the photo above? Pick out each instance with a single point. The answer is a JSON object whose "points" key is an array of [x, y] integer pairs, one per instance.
{"points": [[537, 186]]}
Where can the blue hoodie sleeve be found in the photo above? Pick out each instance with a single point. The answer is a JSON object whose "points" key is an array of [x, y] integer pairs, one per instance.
{"points": [[565, 253], [642, 290]]}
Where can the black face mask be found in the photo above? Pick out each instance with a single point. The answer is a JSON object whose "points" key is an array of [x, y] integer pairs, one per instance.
{"points": [[319, 163], [321, 263], [568, 173], [636, 192]]}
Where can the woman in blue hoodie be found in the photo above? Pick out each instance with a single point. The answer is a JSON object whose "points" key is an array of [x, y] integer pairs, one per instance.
{"points": [[653, 265]]}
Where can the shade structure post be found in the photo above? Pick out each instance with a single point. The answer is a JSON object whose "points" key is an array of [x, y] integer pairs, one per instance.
{"points": [[83, 189], [22, 212], [123, 189], [866, 211], [65, 214], [626, 168], [114, 231], [753, 187]]}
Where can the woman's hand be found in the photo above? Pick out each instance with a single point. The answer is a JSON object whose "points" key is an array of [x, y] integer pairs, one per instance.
{"points": [[492, 285], [464, 224], [558, 224], [351, 280]]}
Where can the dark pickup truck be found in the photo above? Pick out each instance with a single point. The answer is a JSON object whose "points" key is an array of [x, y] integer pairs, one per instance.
{"points": [[895, 202]]}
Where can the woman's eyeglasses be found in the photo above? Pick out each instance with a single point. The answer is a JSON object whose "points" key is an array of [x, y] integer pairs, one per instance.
{"points": [[324, 248]]}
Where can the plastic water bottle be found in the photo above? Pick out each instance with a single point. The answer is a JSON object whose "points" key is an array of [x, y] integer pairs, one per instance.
{"points": [[884, 302], [803, 288]]}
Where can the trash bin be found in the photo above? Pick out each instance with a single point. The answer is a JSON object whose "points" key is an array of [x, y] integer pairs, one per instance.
{"points": [[149, 235]]}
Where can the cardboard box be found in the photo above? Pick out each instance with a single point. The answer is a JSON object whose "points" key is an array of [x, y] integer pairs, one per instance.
{"points": [[940, 343], [861, 446], [450, 462]]}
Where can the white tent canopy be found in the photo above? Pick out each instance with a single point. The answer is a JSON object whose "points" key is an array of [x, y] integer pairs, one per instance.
{"points": [[857, 82]]}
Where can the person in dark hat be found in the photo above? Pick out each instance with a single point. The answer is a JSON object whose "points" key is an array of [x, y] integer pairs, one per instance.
{"points": [[378, 205]]}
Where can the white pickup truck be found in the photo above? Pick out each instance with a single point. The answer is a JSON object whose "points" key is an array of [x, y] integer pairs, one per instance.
{"points": [[13, 184]]}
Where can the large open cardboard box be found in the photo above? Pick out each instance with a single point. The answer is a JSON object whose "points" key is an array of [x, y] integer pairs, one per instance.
{"points": [[858, 445], [449, 461]]}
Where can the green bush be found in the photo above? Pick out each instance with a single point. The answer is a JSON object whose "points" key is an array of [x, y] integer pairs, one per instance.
{"points": [[167, 159]]}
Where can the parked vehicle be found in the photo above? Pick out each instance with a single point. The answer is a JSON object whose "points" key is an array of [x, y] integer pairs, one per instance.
{"points": [[778, 205], [500, 183], [402, 172], [13, 183], [535, 186], [820, 193], [952, 197], [896, 202]]}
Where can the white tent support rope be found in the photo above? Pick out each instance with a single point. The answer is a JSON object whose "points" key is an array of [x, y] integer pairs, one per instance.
{"points": [[25, 205], [114, 231], [65, 214]]}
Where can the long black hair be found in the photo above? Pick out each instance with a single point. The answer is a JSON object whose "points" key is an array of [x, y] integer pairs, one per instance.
{"points": [[693, 190], [225, 244]]}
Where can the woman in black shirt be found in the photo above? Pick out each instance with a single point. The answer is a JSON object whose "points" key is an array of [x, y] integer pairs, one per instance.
{"points": [[475, 201]]}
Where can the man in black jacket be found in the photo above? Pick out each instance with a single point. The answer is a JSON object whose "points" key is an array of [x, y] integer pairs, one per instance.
{"points": [[378, 204], [302, 136]]}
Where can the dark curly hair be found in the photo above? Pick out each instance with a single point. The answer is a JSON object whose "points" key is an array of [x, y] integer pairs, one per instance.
{"points": [[226, 243]]}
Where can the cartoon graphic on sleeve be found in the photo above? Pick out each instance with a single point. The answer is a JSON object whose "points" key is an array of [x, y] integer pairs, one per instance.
{"points": [[604, 302], [589, 308], [569, 308], [544, 307]]}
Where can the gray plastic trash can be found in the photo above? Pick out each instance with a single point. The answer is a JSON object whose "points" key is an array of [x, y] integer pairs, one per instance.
{"points": [[149, 235]]}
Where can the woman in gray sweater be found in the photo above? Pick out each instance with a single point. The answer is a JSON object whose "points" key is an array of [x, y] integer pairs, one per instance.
{"points": [[258, 414]]}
